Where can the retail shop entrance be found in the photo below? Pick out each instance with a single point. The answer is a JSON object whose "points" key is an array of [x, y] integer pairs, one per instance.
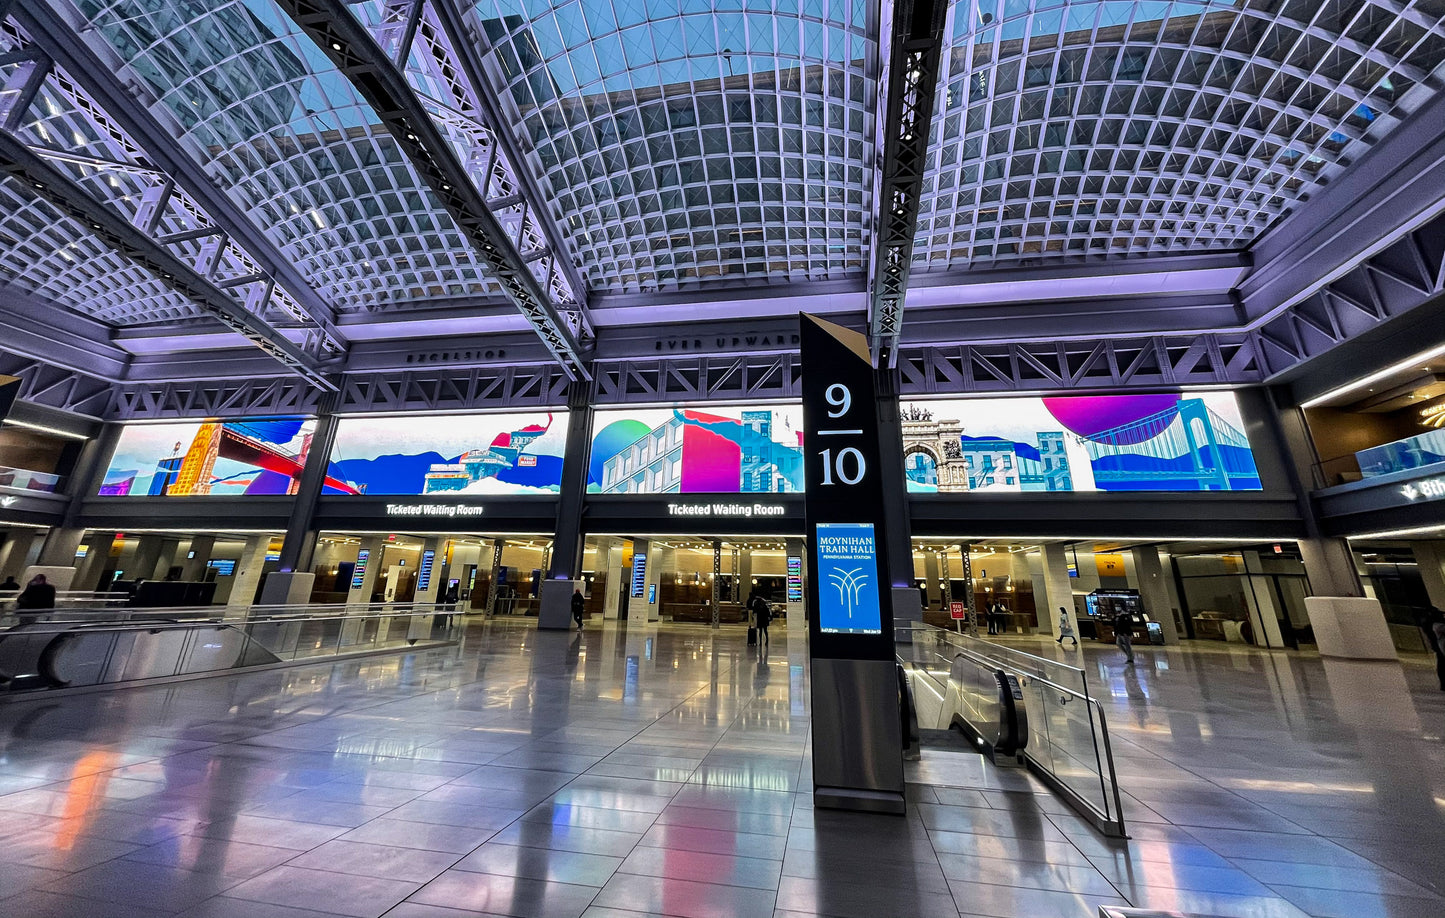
{"points": [[700, 579]]}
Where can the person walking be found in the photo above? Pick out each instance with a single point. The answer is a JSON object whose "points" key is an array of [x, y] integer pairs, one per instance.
{"points": [[762, 615], [1124, 635], [992, 615], [1066, 628], [578, 604]]}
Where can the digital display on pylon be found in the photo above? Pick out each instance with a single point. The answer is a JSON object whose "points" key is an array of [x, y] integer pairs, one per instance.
{"points": [[215, 457]]}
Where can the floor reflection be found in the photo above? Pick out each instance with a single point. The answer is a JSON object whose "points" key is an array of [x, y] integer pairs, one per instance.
{"points": [[667, 770]]}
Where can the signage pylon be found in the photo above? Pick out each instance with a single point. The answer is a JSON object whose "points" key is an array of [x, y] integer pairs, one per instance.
{"points": [[857, 734]]}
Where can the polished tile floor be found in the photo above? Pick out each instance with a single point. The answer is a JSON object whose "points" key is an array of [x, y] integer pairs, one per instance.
{"points": [[668, 773]]}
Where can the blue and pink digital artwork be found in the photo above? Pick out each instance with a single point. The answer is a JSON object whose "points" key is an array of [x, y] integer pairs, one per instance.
{"points": [[1147, 442], [497, 454], [723, 450], [213, 457]]}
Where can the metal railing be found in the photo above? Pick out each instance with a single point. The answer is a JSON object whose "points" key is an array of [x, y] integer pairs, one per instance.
{"points": [[75, 647], [1064, 733]]}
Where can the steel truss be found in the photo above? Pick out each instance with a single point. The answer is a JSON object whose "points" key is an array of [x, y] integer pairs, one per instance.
{"points": [[763, 376], [1407, 274], [43, 180], [915, 54], [538, 385], [495, 219], [58, 387], [1156, 361], [181, 209], [225, 398]]}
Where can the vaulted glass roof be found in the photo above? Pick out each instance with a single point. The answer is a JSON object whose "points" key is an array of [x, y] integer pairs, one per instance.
{"points": [[661, 146], [291, 141], [1087, 127], [687, 140]]}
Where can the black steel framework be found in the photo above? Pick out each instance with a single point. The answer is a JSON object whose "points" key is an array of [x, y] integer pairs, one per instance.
{"points": [[911, 77], [353, 50]]}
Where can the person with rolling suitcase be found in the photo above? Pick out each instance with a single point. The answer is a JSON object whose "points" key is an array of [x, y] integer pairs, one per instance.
{"points": [[762, 615]]}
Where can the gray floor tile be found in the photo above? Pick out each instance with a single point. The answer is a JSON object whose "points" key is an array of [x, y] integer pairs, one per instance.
{"points": [[684, 898], [503, 895], [542, 864], [343, 894]]}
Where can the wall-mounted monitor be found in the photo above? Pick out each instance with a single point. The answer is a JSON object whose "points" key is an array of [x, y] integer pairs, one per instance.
{"points": [[215, 457], [1191, 441], [449, 455], [704, 450]]}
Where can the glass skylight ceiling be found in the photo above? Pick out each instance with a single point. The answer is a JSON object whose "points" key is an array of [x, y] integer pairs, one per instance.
{"points": [[679, 144], [690, 140], [1127, 127], [289, 139]]}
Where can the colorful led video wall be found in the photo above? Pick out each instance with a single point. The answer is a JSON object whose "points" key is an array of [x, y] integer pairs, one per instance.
{"points": [[215, 457], [720, 450], [1158, 442], [450, 454]]}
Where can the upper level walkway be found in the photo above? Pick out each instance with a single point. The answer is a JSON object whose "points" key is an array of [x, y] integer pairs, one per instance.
{"points": [[668, 772]]}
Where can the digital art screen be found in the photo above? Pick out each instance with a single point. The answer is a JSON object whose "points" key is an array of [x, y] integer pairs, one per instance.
{"points": [[723, 450], [1190, 441], [848, 599], [210, 457], [450, 454]]}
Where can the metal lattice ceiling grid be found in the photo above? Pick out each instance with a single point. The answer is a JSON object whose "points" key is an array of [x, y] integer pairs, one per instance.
{"points": [[291, 142], [1133, 127], [684, 140]]}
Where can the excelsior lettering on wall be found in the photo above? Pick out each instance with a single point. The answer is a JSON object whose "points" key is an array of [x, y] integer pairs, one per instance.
{"points": [[725, 509], [447, 510]]}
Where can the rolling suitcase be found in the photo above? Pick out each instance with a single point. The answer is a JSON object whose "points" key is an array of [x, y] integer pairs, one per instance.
{"points": [[752, 635]]}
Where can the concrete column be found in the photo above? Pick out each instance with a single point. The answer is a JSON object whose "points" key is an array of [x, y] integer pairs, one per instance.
{"points": [[433, 586], [639, 612], [15, 553], [568, 542], [167, 557], [1058, 587], [493, 587], [248, 571], [662, 561], [797, 609], [609, 559], [360, 593], [195, 567], [1330, 564], [1153, 583], [930, 578], [147, 555], [61, 543], [97, 553], [1262, 605]]}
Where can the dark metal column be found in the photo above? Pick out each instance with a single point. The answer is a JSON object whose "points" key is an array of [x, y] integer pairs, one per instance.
{"points": [[85, 479], [299, 546], [716, 575], [567, 542], [898, 526]]}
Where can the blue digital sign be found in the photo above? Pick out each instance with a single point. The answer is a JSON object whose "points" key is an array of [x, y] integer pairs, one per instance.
{"points": [[639, 574], [847, 556], [358, 573], [423, 576]]}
